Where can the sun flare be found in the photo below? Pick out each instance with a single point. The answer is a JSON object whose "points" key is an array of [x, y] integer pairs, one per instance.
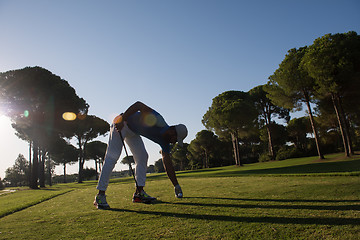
{"points": [[5, 124]]}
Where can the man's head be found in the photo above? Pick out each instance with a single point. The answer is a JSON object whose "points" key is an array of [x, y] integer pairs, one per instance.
{"points": [[181, 133], [176, 133]]}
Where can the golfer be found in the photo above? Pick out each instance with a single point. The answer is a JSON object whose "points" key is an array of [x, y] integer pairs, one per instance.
{"points": [[139, 120]]}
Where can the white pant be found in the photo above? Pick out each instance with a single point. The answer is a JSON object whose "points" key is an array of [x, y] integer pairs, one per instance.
{"points": [[113, 152]]}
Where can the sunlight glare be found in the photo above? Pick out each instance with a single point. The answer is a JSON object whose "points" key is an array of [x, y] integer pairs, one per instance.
{"points": [[5, 124], [69, 116]]}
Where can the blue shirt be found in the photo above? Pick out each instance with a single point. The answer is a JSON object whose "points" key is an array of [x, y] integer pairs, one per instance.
{"points": [[150, 125]]}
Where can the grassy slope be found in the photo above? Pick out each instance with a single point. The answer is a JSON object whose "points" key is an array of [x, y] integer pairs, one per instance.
{"points": [[255, 205]]}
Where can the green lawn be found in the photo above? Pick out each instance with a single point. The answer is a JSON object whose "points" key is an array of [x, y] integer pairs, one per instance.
{"points": [[277, 200]]}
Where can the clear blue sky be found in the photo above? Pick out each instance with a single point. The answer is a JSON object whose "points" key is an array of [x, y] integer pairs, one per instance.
{"points": [[175, 56]]}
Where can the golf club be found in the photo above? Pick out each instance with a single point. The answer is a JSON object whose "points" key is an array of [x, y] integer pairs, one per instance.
{"points": [[127, 155]]}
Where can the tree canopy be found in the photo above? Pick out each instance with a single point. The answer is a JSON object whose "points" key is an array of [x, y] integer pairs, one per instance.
{"points": [[296, 84], [231, 113], [35, 99], [267, 111], [18, 174], [333, 60]]}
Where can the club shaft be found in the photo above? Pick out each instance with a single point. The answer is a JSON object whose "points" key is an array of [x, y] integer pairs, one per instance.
{"points": [[127, 155]]}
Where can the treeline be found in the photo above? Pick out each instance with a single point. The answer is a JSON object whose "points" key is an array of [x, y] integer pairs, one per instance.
{"points": [[241, 127], [325, 75]]}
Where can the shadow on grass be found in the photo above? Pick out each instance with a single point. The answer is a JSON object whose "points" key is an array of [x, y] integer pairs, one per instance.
{"points": [[277, 200], [279, 220], [46, 189], [344, 167], [30, 204], [312, 168], [308, 207], [203, 170]]}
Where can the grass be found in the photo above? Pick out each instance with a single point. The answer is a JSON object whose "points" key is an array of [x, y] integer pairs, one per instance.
{"points": [[334, 164], [24, 198], [275, 200]]}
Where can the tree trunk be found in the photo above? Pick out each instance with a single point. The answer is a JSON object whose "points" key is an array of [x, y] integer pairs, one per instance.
{"points": [[236, 153], [100, 165], [335, 103], [346, 126], [81, 164], [42, 168], [34, 171], [235, 141], [271, 145], [49, 172], [96, 169], [267, 117], [30, 165], [206, 161], [312, 122], [64, 172]]}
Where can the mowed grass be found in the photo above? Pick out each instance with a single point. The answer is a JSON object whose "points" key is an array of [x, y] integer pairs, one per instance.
{"points": [[332, 165], [24, 198], [243, 206]]}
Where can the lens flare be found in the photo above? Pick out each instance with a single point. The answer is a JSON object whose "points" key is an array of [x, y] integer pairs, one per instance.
{"points": [[69, 116], [150, 120], [26, 113]]}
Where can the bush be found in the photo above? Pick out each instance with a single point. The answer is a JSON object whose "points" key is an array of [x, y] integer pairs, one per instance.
{"points": [[89, 173], [288, 152], [159, 166], [264, 157]]}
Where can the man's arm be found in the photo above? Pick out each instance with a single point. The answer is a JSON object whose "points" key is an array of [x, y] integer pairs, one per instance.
{"points": [[168, 165], [138, 106]]}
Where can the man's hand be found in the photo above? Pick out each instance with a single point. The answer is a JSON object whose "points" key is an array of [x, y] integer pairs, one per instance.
{"points": [[119, 126], [119, 123]]}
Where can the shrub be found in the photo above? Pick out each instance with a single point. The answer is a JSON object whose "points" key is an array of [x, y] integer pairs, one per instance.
{"points": [[264, 157], [89, 173], [288, 152]]}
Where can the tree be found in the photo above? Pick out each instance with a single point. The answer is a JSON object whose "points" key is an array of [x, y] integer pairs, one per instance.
{"points": [[296, 84], [231, 113], [328, 123], [17, 175], [159, 166], [179, 157], [35, 100], [151, 169], [128, 160], [96, 150], [1, 185], [64, 153], [279, 135], [49, 169], [203, 147], [208, 150], [334, 62], [89, 173], [267, 110], [85, 129], [297, 130]]}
